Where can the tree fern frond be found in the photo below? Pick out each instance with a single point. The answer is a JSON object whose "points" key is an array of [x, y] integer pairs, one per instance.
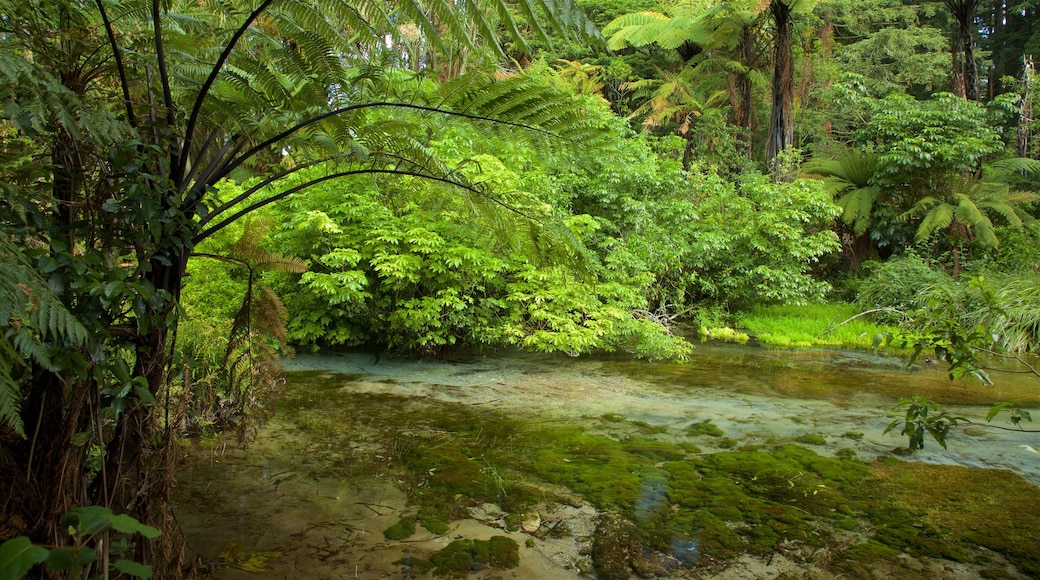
{"points": [[633, 20], [10, 390], [1005, 210], [938, 218], [1023, 165]]}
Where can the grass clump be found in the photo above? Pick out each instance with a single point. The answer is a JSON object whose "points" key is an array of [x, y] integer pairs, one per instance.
{"points": [[724, 334], [804, 326]]}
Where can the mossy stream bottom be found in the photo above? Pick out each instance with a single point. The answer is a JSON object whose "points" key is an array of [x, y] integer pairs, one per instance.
{"points": [[345, 471]]}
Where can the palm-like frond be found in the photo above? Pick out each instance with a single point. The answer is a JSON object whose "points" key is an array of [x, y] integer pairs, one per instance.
{"points": [[937, 216], [970, 202], [849, 178]]}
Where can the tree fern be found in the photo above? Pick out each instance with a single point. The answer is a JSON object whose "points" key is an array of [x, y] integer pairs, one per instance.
{"points": [[969, 201], [849, 178], [34, 324]]}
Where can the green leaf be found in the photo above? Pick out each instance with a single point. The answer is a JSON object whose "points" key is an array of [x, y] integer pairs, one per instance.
{"points": [[129, 525], [87, 520], [141, 388], [996, 409], [878, 339], [133, 568], [17, 556]]}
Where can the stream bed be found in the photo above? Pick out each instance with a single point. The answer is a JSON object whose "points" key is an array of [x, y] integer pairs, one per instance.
{"points": [[743, 462]]}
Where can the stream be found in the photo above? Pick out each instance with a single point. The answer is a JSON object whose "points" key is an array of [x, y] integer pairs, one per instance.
{"points": [[313, 489]]}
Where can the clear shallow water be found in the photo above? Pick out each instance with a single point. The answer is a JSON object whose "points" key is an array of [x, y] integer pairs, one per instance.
{"points": [[317, 506], [752, 393]]}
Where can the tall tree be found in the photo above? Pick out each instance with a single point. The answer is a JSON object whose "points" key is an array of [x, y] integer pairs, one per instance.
{"points": [[964, 12], [729, 25], [781, 117], [146, 106]]}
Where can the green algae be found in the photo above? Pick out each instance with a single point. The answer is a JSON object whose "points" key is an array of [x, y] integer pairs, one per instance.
{"points": [[940, 509], [704, 428], [450, 457], [236, 556], [811, 439], [461, 557]]}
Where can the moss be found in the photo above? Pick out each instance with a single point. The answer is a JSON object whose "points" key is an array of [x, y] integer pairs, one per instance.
{"points": [[726, 443], [236, 556], [434, 519], [811, 439], [648, 429], [871, 551], [688, 447], [854, 435], [402, 530], [613, 417], [847, 453], [939, 509], [461, 557], [653, 449], [705, 427]]}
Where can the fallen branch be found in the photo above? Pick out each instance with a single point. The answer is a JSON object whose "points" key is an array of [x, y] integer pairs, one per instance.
{"points": [[851, 318]]}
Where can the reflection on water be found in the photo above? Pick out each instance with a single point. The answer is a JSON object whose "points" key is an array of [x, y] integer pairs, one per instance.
{"points": [[319, 484]]}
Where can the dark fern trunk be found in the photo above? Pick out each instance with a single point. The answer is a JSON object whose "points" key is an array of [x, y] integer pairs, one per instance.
{"points": [[781, 121]]}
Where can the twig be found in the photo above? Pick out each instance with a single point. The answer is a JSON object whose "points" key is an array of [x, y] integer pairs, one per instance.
{"points": [[1011, 356], [373, 506], [1015, 429], [850, 319]]}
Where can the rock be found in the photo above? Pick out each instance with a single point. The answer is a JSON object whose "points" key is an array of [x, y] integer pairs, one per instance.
{"points": [[530, 523]]}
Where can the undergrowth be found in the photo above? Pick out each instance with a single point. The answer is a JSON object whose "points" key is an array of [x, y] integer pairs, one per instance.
{"points": [[810, 325]]}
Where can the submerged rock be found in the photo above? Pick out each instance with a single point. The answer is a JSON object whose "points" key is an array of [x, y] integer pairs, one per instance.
{"points": [[531, 523]]}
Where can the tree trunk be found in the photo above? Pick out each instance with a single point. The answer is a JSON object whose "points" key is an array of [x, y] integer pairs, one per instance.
{"points": [[781, 121], [1025, 119], [971, 69], [739, 87], [964, 11], [140, 457]]}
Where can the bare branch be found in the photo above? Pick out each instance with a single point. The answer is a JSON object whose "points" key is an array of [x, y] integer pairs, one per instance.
{"points": [[834, 327], [282, 195]]}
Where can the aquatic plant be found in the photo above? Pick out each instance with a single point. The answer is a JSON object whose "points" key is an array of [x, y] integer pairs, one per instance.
{"points": [[922, 416], [402, 530], [666, 506], [705, 427], [462, 557]]}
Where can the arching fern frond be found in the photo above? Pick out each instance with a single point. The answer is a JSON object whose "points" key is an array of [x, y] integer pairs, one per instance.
{"points": [[34, 324]]}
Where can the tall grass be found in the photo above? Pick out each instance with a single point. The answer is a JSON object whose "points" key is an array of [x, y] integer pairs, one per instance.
{"points": [[810, 325], [1005, 304], [1011, 312]]}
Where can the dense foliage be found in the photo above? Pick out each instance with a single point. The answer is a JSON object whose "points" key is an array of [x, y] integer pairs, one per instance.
{"points": [[193, 190]]}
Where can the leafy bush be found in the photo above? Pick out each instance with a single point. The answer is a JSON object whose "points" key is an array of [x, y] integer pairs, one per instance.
{"points": [[901, 285], [755, 240]]}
